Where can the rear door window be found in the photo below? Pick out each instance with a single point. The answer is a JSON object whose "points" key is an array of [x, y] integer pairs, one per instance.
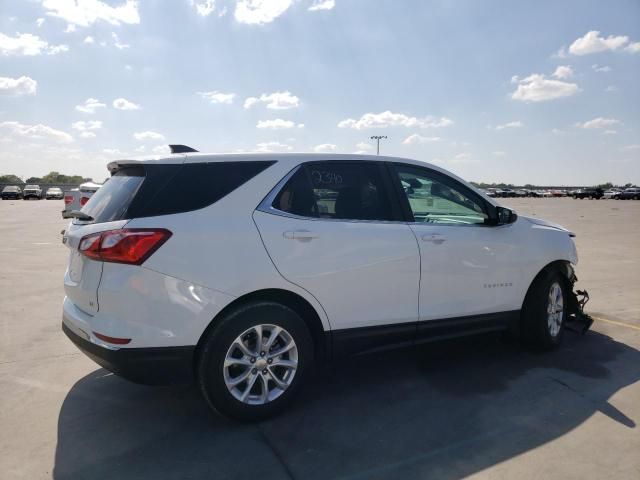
{"points": [[337, 190]]}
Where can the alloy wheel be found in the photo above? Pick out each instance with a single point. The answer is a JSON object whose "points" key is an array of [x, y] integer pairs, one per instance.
{"points": [[555, 309], [260, 364]]}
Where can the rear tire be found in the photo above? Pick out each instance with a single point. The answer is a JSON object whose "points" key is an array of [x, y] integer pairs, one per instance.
{"points": [[545, 310], [243, 377]]}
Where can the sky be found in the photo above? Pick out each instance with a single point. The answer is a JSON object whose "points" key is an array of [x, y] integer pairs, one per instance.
{"points": [[539, 92]]}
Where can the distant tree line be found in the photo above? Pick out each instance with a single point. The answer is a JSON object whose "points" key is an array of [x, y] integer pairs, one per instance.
{"points": [[48, 179]]}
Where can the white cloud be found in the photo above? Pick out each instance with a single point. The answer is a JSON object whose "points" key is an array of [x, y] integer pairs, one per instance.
{"points": [[87, 12], [611, 88], [90, 105], [499, 153], [418, 139], [36, 132], [161, 150], [39, 22], [390, 119], [610, 132], [633, 47], [117, 43], [148, 135], [83, 126], [124, 104], [259, 12], [218, 97], [70, 28], [277, 124], [28, 45], [325, 148], [364, 146], [515, 124], [204, 8], [274, 101], [112, 151], [537, 88], [600, 68], [267, 147], [592, 42], [89, 39], [18, 86], [563, 72], [462, 158], [599, 122], [630, 148], [322, 5]]}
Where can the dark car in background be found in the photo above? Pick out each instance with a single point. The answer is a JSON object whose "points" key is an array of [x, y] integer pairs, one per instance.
{"points": [[11, 192], [632, 193], [591, 193], [32, 191]]}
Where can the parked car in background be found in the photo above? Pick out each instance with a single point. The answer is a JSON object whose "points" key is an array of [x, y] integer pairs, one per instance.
{"points": [[521, 193], [545, 194], [632, 193], [241, 272], [54, 193], [591, 193], [76, 198], [611, 193], [558, 193], [32, 191], [11, 192]]}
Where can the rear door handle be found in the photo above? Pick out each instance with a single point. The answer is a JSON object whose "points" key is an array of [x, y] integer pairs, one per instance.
{"points": [[304, 235], [435, 238]]}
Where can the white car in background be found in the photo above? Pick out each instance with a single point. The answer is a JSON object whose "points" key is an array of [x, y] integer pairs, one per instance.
{"points": [[611, 193], [274, 262], [76, 198]]}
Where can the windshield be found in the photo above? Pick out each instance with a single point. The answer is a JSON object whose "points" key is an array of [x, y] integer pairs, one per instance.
{"points": [[32, 186]]}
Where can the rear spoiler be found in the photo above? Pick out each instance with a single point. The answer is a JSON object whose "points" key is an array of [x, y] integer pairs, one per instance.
{"points": [[114, 166]]}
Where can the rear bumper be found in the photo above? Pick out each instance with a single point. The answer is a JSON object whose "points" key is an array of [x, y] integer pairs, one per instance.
{"points": [[151, 366]]}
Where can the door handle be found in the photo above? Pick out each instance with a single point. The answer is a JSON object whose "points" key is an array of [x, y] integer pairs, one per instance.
{"points": [[303, 235], [435, 238]]}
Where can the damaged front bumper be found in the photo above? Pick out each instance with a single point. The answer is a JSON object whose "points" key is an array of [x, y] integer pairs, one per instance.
{"points": [[578, 321]]}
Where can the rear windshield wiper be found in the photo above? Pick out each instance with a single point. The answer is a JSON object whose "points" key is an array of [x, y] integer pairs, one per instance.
{"points": [[81, 216]]}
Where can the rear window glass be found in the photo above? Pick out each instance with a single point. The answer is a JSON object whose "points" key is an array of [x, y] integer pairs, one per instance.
{"points": [[111, 201], [164, 189]]}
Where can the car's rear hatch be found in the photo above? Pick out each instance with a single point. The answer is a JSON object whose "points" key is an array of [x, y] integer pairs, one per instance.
{"points": [[106, 209]]}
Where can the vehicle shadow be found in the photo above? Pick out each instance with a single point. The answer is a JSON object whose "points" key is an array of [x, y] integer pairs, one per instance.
{"points": [[445, 410]]}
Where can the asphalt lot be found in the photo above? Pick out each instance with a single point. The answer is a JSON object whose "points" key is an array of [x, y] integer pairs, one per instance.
{"points": [[480, 407]]}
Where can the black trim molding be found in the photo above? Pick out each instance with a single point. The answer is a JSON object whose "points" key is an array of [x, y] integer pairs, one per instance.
{"points": [[355, 341], [150, 366]]}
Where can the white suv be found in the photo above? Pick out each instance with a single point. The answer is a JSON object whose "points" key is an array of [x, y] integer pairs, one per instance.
{"points": [[239, 272]]}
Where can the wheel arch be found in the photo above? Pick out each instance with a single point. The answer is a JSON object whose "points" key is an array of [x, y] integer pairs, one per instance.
{"points": [[562, 266], [285, 297]]}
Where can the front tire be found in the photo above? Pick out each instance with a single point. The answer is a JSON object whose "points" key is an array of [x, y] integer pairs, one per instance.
{"points": [[254, 361], [545, 310]]}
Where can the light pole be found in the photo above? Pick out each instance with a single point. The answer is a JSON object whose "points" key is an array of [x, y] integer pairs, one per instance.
{"points": [[377, 138]]}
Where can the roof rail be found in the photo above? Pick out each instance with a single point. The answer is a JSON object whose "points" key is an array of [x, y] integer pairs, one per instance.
{"points": [[181, 149]]}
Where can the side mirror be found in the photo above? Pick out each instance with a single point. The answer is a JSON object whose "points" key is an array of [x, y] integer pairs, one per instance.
{"points": [[505, 216]]}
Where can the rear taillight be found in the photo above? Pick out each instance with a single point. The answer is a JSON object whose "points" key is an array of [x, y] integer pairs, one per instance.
{"points": [[68, 199], [84, 200], [131, 246]]}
